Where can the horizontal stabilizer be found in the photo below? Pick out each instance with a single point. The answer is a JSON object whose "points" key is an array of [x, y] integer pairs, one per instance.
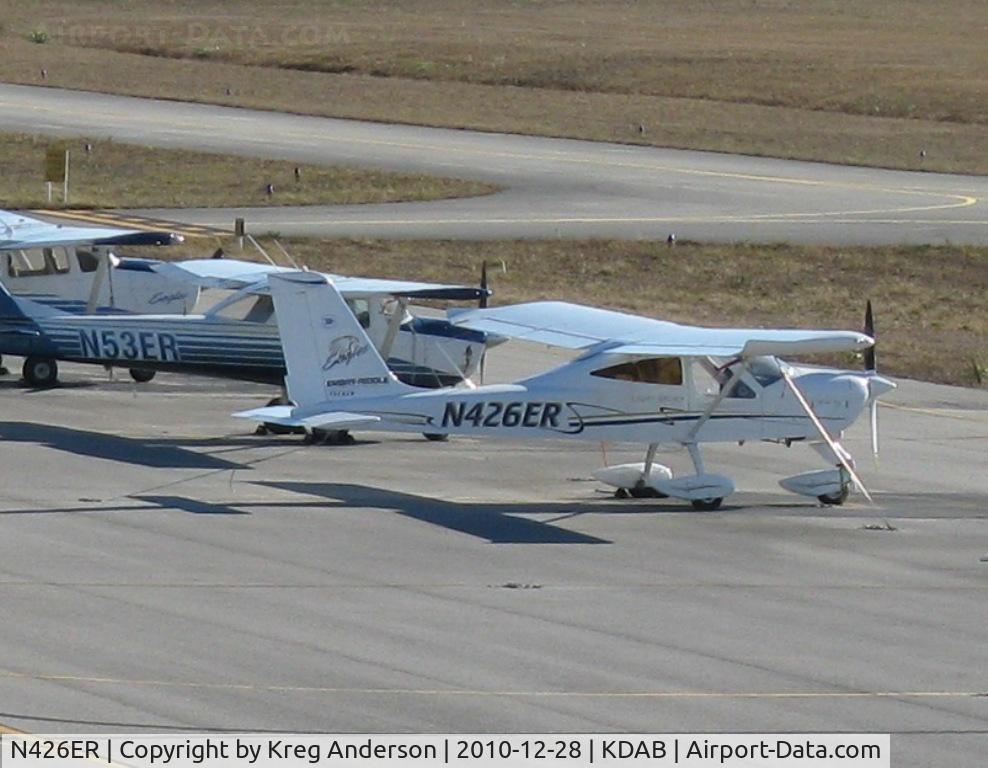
{"points": [[285, 416]]}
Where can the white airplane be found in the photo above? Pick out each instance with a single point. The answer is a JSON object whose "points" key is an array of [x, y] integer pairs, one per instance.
{"points": [[635, 380], [73, 268]]}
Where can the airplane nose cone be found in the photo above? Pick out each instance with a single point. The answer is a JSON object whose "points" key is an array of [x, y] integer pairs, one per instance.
{"points": [[879, 385]]}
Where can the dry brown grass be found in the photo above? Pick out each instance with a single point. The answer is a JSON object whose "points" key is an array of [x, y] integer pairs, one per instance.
{"points": [[116, 175], [859, 81], [931, 302]]}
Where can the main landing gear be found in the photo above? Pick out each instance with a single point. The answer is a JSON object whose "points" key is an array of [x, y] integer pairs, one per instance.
{"points": [[141, 375], [40, 371], [830, 487], [703, 490]]}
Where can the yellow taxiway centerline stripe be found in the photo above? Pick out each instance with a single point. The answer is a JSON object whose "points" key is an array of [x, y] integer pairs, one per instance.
{"points": [[960, 414], [145, 225], [567, 157], [573, 158], [89, 217], [500, 693], [752, 219]]}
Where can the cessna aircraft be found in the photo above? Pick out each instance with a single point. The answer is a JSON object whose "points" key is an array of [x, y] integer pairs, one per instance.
{"points": [[636, 380], [74, 269], [237, 337]]}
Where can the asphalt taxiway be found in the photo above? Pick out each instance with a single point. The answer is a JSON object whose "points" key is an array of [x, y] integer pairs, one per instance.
{"points": [[162, 568], [552, 187]]}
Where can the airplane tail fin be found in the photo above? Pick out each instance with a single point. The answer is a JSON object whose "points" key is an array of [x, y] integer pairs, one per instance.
{"points": [[328, 354]]}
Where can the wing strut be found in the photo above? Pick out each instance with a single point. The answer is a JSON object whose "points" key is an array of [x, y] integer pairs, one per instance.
{"points": [[834, 446], [102, 271], [394, 325], [724, 392]]}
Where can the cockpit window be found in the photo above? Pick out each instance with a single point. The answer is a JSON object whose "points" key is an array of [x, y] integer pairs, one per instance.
{"points": [[712, 377], [87, 262], [251, 309], [59, 259], [361, 310], [653, 370], [740, 389], [765, 370], [34, 263]]}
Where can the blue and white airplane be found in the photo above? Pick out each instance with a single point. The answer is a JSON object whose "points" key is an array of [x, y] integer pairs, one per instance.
{"points": [[63, 280], [237, 338], [74, 268], [635, 380]]}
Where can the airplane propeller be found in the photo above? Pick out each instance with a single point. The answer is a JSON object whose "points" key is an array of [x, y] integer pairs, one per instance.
{"points": [[482, 302], [869, 329]]}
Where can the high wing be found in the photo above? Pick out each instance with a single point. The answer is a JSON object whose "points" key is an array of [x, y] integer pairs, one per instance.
{"points": [[574, 326], [18, 231], [235, 274]]}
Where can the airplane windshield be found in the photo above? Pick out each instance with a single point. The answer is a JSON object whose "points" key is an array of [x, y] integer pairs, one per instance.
{"points": [[765, 370]]}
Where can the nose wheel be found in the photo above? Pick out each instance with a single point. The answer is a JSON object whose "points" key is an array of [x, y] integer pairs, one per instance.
{"points": [[835, 499]]}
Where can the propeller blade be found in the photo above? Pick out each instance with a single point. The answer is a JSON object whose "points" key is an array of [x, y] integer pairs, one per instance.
{"points": [[873, 420], [870, 362], [482, 302], [834, 446]]}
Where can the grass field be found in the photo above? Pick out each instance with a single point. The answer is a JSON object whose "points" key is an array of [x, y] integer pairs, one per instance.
{"points": [[858, 81], [112, 174], [931, 302]]}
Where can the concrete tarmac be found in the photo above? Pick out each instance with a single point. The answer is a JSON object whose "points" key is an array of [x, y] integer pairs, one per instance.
{"points": [[162, 568], [553, 187]]}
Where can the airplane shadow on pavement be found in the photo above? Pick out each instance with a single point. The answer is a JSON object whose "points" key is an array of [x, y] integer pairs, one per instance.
{"points": [[499, 523], [160, 453]]}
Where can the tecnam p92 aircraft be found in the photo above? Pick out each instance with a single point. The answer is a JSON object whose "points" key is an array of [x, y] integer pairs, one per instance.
{"points": [[636, 380]]}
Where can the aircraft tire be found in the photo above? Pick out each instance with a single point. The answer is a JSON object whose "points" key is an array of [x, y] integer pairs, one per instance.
{"points": [[645, 492], [141, 375], [436, 437], [40, 371], [329, 437], [835, 499], [279, 429], [707, 505]]}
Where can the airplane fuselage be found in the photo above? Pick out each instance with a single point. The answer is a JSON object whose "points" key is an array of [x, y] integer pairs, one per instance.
{"points": [[595, 409], [214, 346]]}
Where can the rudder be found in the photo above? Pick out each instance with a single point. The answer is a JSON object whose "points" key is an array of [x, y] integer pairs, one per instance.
{"points": [[328, 354]]}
